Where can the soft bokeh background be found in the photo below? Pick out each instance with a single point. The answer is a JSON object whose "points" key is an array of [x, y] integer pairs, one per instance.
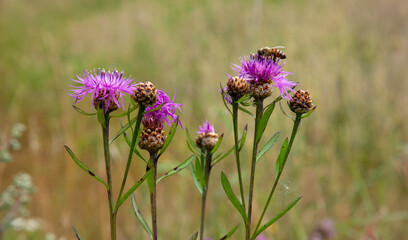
{"points": [[349, 162]]}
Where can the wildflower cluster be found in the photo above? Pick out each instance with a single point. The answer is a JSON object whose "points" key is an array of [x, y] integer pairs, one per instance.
{"points": [[255, 78]]}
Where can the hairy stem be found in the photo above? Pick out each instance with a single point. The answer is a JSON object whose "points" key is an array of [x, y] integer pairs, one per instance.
{"points": [[259, 112], [131, 150], [112, 213], [207, 171], [236, 149], [153, 196]]}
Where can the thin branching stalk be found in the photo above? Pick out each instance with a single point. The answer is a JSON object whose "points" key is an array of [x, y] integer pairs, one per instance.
{"points": [[131, 151], [153, 196], [259, 112], [236, 149], [112, 213], [207, 171], [292, 138]]}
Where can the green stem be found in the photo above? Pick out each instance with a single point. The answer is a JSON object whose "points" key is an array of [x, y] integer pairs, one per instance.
{"points": [[112, 213], [292, 138], [207, 171], [131, 150], [154, 158], [259, 112], [236, 149]]}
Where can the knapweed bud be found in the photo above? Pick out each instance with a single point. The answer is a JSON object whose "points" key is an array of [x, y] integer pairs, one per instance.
{"points": [[152, 140], [206, 137], [237, 87], [145, 94], [152, 137], [301, 102], [261, 90]]}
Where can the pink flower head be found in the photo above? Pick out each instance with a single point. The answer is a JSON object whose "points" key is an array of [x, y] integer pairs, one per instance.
{"points": [[166, 112], [206, 128], [256, 68], [108, 87]]}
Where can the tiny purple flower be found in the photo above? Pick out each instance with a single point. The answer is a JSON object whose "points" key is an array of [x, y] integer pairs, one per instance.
{"points": [[166, 112], [206, 128], [108, 87], [255, 68]]}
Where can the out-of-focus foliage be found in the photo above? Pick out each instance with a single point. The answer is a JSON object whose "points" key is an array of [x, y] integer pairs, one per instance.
{"points": [[350, 159]]}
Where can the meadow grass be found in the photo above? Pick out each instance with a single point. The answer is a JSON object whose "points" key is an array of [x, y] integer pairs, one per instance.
{"points": [[350, 159]]}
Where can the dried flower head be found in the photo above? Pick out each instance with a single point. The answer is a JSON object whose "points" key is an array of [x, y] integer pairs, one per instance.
{"points": [[237, 87], [152, 137], [107, 88], [256, 69], [301, 102], [206, 137], [145, 94], [261, 90]]}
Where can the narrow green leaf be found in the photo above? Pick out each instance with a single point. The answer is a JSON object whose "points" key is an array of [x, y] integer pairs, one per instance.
{"points": [[129, 120], [140, 217], [246, 111], [199, 172], [178, 168], [192, 149], [264, 120], [194, 237], [281, 158], [123, 129], [274, 219], [267, 146], [76, 233], [244, 99], [192, 143], [221, 156], [223, 96], [82, 111], [130, 110], [195, 179], [243, 138], [229, 234], [83, 166], [310, 112], [133, 188], [134, 150], [150, 180], [100, 114], [156, 108], [217, 144], [169, 136], [231, 196]]}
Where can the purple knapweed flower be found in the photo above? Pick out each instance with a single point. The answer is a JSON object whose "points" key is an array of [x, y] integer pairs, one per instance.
{"points": [[257, 68], [166, 113], [261, 237], [107, 88], [206, 137], [206, 128]]}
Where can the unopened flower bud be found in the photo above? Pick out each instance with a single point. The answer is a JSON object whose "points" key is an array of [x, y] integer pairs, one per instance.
{"points": [[206, 137], [301, 102], [237, 87], [152, 140], [261, 90], [145, 94]]}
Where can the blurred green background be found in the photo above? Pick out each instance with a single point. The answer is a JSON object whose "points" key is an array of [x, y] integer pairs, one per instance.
{"points": [[350, 159]]}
